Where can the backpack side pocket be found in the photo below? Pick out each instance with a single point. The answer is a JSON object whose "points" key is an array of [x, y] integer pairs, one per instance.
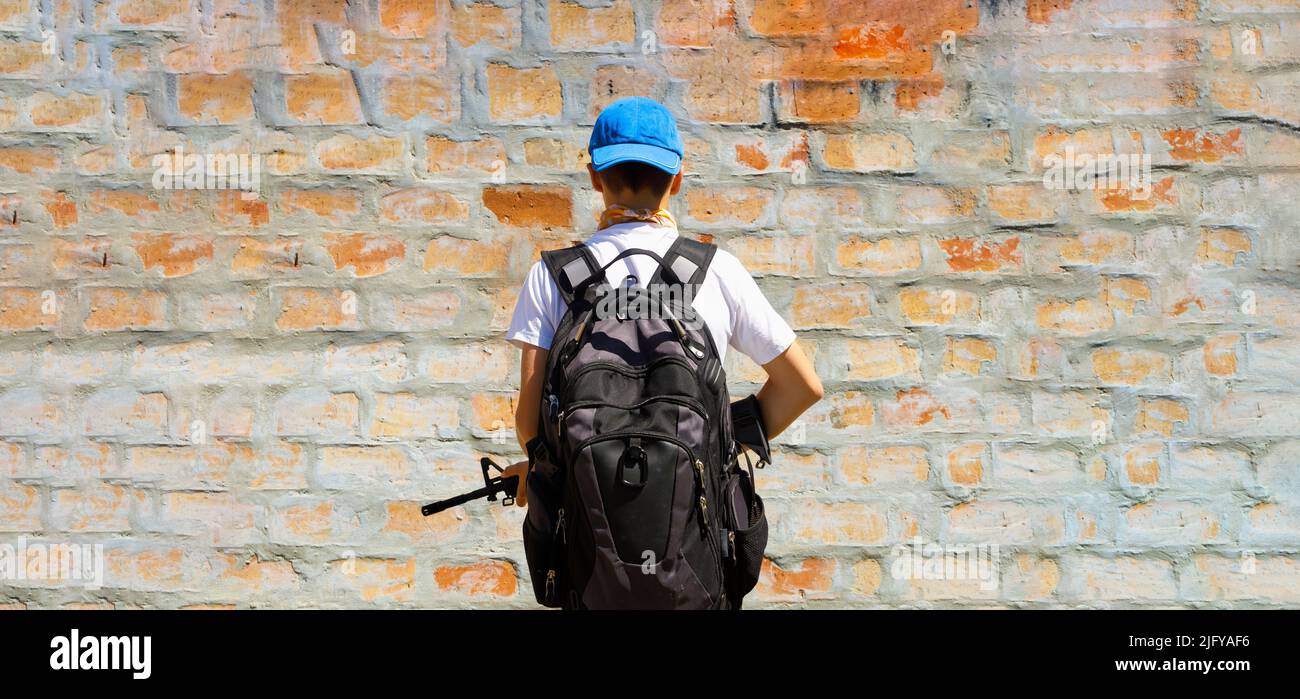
{"points": [[749, 518], [543, 525]]}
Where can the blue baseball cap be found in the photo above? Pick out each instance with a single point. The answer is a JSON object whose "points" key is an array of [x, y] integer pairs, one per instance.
{"points": [[636, 129]]}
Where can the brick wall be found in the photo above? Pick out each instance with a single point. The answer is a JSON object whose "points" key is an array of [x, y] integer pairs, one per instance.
{"points": [[244, 399]]}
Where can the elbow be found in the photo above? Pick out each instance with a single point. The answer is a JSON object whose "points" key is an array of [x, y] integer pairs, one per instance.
{"points": [[815, 392]]}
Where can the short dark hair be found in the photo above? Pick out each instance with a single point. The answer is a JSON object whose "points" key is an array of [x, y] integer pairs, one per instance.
{"points": [[633, 176]]}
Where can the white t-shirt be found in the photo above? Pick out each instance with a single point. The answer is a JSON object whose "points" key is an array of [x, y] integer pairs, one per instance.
{"points": [[735, 309]]}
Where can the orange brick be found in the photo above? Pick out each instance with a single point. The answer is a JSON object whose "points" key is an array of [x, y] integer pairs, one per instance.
{"points": [[334, 205], [27, 161], [135, 205], [886, 465], [869, 152], [1220, 354], [20, 58], [723, 82], [318, 309], [419, 206], [1159, 416], [322, 97], [408, 18], [1125, 293], [853, 523], [787, 255], [493, 411], [376, 579], [531, 206], [62, 210], [491, 579], [407, 415], [346, 153], [255, 257], [612, 82], [480, 21], [556, 154], [366, 254], [968, 355], [112, 412], [850, 410], [219, 99], [404, 519], [1202, 146], [1130, 366], [936, 306], [20, 507], [926, 204], [729, 205], [1097, 247], [885, 256], [254, 575], [311, 412], [820, 102], [462, 257], [880, 358], [1082, 317], [522, 94], [578, 28], [830, 305], [445, 155], [694, 23], [973, 255], [1024, 203], [66, 111], [111, 310], [1221, 246], [172, 254], [410, 97], [297, 21], [29, 309], [966, 464], [1160, 194], [812, 578]]}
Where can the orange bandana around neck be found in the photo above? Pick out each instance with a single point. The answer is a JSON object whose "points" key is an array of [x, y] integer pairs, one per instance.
{"points": [[621, 214]]}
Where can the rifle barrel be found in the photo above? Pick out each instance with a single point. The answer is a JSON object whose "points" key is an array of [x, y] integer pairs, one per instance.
{"points": [[505, 485]]}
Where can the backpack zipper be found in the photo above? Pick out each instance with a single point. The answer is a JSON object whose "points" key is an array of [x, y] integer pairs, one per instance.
{"points": [[704, 502], [624, 369], [691, 403], [551, 575]]}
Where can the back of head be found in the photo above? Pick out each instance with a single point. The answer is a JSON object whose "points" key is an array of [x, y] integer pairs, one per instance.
{"points": [[635, 149]]}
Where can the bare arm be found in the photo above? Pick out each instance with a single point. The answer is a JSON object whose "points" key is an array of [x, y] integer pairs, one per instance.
{"points": [[532, 369], [792, 387]]}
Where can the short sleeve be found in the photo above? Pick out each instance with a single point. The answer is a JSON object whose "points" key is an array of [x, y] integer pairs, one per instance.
{"points": [[757, 329], [537, 311]]}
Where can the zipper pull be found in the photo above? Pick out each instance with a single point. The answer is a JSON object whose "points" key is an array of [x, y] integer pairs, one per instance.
{"points": [[553, 409], [559, 527], [704, 510], [699, 471], [731, 545], [550, 585]]}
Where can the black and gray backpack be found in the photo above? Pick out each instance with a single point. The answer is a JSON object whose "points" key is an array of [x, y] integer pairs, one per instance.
{"points": [[635, 496]]}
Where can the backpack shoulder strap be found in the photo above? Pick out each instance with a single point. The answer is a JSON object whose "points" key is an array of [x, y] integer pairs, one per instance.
{"points": [[570, 267], [688, 259]]}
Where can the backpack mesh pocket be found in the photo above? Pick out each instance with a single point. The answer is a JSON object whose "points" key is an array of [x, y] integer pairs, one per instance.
{"points": [[749, 518]]}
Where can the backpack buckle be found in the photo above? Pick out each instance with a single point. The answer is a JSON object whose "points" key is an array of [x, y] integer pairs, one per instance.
{"points": [[634, 459]]}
